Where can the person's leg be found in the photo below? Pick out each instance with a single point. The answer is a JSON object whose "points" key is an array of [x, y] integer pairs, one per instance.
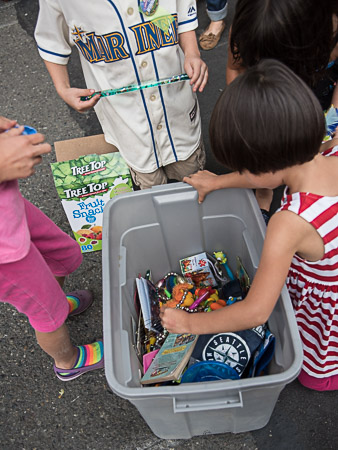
{"points": [[70, 361], [217, 11], [61, 253], [57, 345], [147, 180], [30, 285], [179, 170]]}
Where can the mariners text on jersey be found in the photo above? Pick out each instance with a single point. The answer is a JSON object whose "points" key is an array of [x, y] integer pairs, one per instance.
{"points": [[111, 47]]}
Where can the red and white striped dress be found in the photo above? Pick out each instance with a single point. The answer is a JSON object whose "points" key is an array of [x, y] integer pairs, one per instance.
{"points": [[313, 286]]}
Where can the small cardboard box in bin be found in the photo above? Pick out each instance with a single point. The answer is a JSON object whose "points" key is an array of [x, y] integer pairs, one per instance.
{"points": [[197, 269], [86, 182]]}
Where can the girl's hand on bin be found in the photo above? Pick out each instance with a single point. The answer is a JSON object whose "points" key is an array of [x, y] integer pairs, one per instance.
{"points": [[175, 320], [202, 181]]}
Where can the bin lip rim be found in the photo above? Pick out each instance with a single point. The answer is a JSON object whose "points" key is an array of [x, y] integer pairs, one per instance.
{"points": [[160, 189], [165, 189]]}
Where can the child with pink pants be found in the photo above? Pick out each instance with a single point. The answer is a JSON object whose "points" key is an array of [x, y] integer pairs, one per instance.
{"points": [[35, 258]]}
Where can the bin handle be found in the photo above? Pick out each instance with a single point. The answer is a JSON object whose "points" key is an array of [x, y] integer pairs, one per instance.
{"points": [[183, 406]]}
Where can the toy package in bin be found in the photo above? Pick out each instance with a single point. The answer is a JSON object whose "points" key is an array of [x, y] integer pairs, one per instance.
{"points": [[150, 305], [197, 270], [170, 361], [245, 353]]}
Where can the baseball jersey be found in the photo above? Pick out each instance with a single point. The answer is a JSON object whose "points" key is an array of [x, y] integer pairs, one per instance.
{"points": [[120, 45]]}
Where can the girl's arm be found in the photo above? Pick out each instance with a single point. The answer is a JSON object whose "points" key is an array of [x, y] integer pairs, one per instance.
{"points": [[279, 247], [205, 182], [60, 77], [194, 66]]}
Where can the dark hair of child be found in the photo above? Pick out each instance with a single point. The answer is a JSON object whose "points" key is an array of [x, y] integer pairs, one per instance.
{"points": [[266, 120], [298, 33]]}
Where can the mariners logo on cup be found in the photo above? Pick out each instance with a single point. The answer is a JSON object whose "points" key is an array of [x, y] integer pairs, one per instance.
{"points": [[149, 7], [228, 348]]}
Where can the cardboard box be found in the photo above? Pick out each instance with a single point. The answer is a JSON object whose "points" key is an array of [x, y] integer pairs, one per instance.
{"points": [[87, 174]]}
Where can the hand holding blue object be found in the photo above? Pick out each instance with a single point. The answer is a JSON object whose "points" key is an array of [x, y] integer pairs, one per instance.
{"points": [[26, 130]]}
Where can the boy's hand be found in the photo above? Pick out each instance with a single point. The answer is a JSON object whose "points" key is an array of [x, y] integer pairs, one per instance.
{"points": [[20, 154], [174, 320], [72, 96], [197, 71], [202, 182]]}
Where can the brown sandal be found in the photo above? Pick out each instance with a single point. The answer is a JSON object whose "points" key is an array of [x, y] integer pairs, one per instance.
{"points": [[210, 40]]}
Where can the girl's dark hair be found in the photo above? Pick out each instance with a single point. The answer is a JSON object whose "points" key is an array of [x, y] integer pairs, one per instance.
{"points": [[298, 33], [266, 120]]}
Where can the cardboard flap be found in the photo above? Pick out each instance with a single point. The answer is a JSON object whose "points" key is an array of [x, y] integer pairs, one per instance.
{"points": [[74, 148]]}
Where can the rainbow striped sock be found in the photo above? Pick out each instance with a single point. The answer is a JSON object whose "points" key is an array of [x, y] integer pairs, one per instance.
{"points": [[89, 354], [73, 302]]}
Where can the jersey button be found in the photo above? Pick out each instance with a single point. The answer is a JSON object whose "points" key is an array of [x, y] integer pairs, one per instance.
{"points": [[153, 97], [159, 127], [130, 11], [144, 64]]}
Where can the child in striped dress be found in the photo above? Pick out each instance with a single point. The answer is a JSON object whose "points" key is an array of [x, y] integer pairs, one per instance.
{"points": [[268, 126]]}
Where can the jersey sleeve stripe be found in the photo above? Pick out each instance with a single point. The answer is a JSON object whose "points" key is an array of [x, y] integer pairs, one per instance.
{"points": [[187, 21], [53, 53]]}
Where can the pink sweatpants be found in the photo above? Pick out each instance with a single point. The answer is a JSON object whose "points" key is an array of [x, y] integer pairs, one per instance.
{"points": [[29, 284]]}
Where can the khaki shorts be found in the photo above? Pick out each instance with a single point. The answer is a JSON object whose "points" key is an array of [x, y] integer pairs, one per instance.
{"points": [[174, 171]]}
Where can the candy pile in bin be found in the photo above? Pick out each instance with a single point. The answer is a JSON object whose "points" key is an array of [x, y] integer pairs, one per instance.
{"points": [[206, 283]]}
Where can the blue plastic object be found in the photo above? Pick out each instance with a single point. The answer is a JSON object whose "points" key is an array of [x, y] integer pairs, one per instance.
{"points": [[209, 371], [28, 130]]}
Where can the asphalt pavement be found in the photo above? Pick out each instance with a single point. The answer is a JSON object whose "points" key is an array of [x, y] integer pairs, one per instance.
{"points": [[37, 411]]}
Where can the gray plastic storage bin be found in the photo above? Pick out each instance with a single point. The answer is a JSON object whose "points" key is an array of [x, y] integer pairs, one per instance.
{"points": [[154, 229]]}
